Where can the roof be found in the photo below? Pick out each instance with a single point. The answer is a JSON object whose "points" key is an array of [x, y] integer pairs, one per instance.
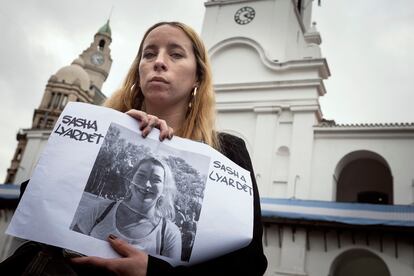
{"points": [[105, 29], [342, 212], [332, 124]]}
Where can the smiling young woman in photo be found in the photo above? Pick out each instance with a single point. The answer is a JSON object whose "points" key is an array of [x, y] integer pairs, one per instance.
{"points": [[143, 218], [169, 87]]}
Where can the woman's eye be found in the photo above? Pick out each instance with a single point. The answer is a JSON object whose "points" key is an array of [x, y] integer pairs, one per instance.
{"points": [[148, 55], [177, 55], [155, 181]]}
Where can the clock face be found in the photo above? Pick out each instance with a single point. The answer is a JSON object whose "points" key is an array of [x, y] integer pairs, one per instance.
{"points": [[97, 58], [244, 15]]}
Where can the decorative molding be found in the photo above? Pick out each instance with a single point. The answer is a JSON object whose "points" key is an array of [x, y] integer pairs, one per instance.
{"points": [[267, 109], [304, 108], [317, 83], [379, 132], [318, 63], [313, 37]]}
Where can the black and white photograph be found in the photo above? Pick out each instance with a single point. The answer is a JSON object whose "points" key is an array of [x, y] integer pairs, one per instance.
{"points": [[147, 193]]}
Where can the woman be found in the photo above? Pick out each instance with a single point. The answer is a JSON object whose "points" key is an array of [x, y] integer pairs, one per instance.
{"points": [[169, 87], [149, 203]]}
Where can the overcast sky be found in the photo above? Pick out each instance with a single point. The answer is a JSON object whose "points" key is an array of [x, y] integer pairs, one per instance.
{"points": [[368, 45]]}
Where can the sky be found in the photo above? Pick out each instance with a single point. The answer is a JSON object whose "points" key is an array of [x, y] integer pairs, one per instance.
{"points": [[368, 46]]}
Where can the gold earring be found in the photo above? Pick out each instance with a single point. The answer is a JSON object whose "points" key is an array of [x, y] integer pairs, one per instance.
{"points": [[193, 95]]}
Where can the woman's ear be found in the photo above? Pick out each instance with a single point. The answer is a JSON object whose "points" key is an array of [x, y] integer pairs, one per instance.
{"points": [[196, 84]]}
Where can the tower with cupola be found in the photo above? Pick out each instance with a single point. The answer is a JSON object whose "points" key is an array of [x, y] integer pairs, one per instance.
{"points": [[268, 75], [81, 81]]}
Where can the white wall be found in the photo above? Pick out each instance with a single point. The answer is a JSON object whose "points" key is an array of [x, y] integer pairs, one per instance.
{"points": [[36, 141], [293, 258], [397, 149]]}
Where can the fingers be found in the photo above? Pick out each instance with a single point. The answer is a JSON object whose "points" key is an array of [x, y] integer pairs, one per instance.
{"points": [[121, 247], [165, 130], [93, 261], [148, 122], [139, 115]]}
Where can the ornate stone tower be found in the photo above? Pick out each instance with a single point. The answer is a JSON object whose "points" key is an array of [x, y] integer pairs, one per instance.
{"points": [[97, 57], [82, 82]]}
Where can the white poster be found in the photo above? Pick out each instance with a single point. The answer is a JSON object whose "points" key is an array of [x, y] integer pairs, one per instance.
{"points": [[179, 200]]}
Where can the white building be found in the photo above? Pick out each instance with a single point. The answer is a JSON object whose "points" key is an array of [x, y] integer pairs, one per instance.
{"points": [[315, 177]]}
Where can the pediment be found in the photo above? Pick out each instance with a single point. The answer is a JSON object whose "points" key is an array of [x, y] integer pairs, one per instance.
{"points": [[239, 60]]}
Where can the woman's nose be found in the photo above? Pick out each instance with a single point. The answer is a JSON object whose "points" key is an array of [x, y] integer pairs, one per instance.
{"points": [[160, 64], [148, 184]]}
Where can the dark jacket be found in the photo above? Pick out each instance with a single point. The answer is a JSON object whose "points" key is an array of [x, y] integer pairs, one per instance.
{"points": [[249, 260]]}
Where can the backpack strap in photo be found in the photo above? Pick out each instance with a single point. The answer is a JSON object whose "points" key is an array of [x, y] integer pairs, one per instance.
{"points": [[103, 215], [164, 225]]}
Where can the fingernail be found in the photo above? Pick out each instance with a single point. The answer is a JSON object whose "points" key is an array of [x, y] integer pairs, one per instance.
{"points": [[112, 237]]}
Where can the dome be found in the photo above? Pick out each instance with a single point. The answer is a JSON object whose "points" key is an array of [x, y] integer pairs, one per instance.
{"points": [[74, 74]]}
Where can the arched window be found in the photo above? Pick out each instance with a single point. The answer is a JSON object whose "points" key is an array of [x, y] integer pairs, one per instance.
{"points": [[358, 262], [51, 100], [101, 45], [64, 102], [364, 176]]}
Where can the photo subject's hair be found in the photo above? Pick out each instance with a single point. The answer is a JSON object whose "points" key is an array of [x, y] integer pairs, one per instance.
{"points": [[199, 124]]}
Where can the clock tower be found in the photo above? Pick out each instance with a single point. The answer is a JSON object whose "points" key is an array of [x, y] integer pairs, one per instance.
{"points": [[97, 57], [80, 81], [268, 76]]}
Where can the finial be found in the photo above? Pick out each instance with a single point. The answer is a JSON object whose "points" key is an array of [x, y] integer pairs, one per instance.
{"points": [[110, 13]]}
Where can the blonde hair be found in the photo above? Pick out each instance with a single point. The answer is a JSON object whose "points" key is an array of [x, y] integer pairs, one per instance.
{"points": [[199, 123]]}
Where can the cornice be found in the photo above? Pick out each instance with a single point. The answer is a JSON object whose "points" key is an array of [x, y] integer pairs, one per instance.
{"points": [[265, 107], [36, 133], [317, 83], [352, 132], [67, 87]]}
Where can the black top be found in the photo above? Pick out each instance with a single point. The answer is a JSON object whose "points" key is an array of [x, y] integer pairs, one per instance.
{"points": [[249, 260]]}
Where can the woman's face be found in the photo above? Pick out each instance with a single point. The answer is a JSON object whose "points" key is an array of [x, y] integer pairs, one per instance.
{"points": [[148, 185], [167, 68]]}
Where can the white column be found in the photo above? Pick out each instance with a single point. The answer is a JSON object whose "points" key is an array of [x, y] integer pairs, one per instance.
{"points": [[301, 154], [266, 119]]}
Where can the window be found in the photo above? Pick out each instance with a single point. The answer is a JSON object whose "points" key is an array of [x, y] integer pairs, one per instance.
{"points": [[49, 123], [101, 45], [51, 100], [18, 154], [57, 100], [364, 176], [64, 101]]}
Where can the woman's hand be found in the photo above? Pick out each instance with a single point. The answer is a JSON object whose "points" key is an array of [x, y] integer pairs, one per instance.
{"points": [[148, 122], [134, 262]]}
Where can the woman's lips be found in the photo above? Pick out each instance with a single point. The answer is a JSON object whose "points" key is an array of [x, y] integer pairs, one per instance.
{"points": [[145, 192], [158, 80]]}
